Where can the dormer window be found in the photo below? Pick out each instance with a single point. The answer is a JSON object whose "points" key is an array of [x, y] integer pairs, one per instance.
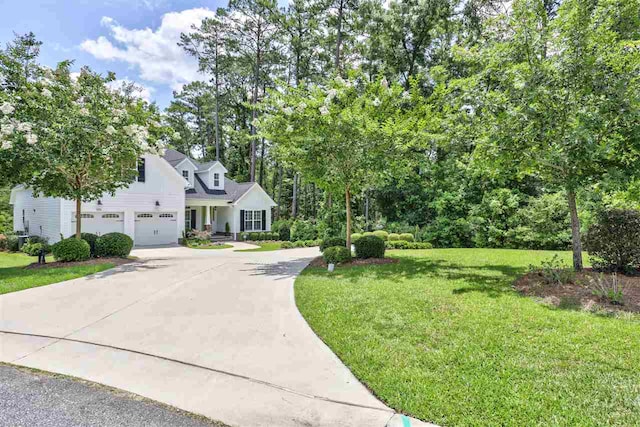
{"points": [[216, 180], [185, 175]]}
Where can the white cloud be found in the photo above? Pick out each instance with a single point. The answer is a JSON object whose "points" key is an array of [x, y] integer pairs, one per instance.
{"points": [[154, 52], [140, 91]]}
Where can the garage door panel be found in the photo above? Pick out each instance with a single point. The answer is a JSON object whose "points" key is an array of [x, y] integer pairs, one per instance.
{"points": [[155, 228], [100, 223]]}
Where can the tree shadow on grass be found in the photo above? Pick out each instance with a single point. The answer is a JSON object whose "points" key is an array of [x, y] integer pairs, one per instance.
{"points": [[493, 280]]}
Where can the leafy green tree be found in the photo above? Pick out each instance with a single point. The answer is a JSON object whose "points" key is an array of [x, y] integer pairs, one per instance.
{"points": [[344, 136], [209, 43], [558, 94], [73, 138]]}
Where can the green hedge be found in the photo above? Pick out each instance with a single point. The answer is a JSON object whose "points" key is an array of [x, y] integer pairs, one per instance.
{"points": [[114, 245], [394, 237], [381, 234], [407, 237], [332, 241], [71, 249], [402, 244], [337, 255], [370, 247], [355, 236]]}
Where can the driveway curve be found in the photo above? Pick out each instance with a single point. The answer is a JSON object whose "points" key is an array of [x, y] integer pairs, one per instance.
{"points": [[214, 332]]}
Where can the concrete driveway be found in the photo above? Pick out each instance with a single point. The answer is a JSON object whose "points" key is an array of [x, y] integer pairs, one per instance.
{"points": [[214, 332]]}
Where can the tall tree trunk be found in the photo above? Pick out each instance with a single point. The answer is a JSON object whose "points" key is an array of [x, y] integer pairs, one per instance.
{"points": [[254, 112], [217, 106], [575, 231], [294, 198], [366, 211], [339, 35], [78, 218], [313, 200], [279, 191], [347, 194], [262, 164]]}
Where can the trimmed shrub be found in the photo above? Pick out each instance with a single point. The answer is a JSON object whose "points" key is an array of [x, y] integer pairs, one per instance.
{"points": [[254, 236], [355, 236], [3, 242], [71, 249], [368, 233], [337, 255], [613, 241], [32, 249], [402, 244], [381, 234], [114, 244], [311, 243], [299, 244], [303, 230], [13, 243], [369, 247], [262, 235], [44, 241], [393, 237], [407, 237], [90, 239], [286, 245], [332, 241]]}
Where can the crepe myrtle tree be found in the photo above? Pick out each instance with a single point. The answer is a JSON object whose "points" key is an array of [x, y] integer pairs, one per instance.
{"points": [[344, 135], [74, 137]]}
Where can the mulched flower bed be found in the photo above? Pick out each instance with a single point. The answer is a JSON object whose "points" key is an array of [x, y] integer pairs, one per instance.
{"points": [[92, 261], [579, 293], [319, 262]]}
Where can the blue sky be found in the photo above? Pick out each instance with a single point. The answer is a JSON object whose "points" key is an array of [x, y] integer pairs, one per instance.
{"points": [[134, 38]]}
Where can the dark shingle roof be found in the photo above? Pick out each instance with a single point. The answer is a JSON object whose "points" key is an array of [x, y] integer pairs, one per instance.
{"points": [[232, 190]]}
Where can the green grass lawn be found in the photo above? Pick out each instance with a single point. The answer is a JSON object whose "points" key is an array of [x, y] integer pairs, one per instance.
{"points": [[264, 247], [443, 337], [13, 277]]}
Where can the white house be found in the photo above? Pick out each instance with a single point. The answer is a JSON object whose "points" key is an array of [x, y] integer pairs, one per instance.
{"points": [[172, 194]]}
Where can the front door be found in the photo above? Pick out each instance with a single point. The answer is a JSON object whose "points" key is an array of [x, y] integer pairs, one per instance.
{"points": [[193, 220]]}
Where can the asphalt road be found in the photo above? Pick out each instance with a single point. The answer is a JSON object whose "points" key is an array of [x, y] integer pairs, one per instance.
{"points": [[32, 398]]}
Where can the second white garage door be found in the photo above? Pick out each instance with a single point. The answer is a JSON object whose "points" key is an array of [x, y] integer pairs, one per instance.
{"points": [[156, 228], [100, 223]]}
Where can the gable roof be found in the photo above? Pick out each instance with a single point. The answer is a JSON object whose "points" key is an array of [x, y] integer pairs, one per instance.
{"points": [[232, 190]]}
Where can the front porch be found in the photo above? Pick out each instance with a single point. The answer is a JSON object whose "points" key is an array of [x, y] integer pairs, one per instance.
{"points": [[209, 215]]}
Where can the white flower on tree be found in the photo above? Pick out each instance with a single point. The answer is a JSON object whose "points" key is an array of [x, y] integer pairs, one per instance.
{"points": [[384, 83], [7, 108], [301, 107], [32, 138], [288, 111], [289, 128], [46, 93], [84, 112], [24, 127], [324, 110], [110, 130], [7, 129], [376, 102], [6, 145]]}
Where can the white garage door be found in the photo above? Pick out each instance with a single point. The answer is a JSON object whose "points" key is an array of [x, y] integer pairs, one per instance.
{"points": [[155, 228], [100, 223]]}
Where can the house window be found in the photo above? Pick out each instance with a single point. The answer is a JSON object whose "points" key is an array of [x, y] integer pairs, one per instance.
{"points": [[187, 220], [141, 169], [185, 174], [166, 215], [112, 216], [253, 220], [216, 180], [145, 215]]}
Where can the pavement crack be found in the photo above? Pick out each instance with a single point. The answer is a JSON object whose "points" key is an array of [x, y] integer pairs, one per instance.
{"points": [[206, 368]]}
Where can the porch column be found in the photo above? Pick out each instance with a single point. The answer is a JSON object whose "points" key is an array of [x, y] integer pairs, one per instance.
{"points": [[207, 218]]}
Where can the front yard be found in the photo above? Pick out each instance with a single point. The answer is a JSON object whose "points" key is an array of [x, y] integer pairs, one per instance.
{"points": [[14, 277], [442, 336]]}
